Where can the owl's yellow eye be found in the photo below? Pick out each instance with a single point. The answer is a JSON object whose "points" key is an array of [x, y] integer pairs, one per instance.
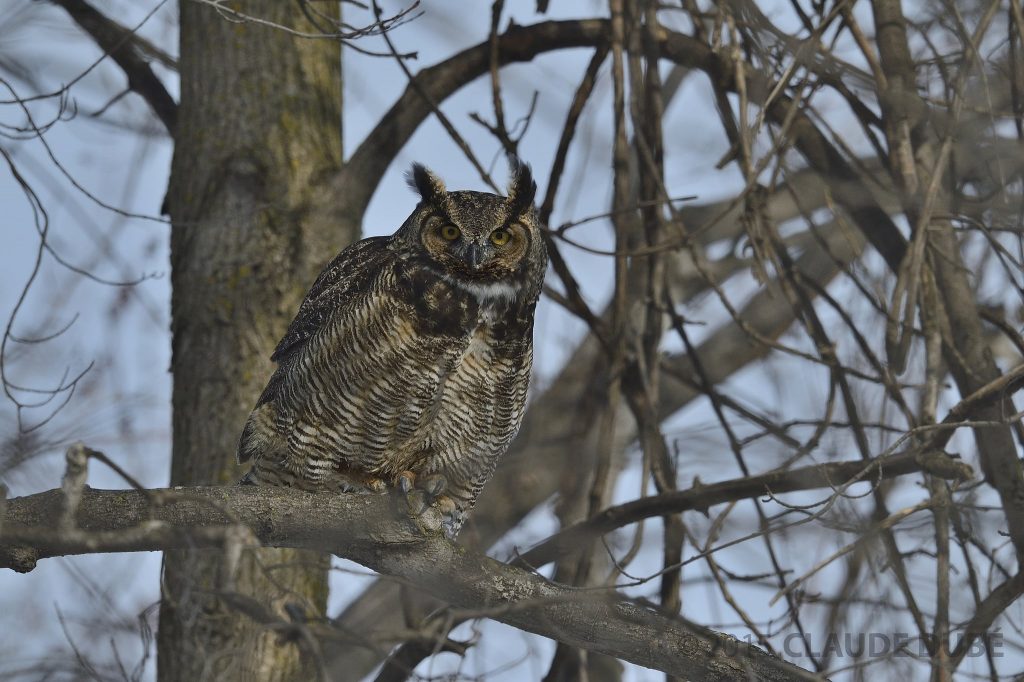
{"points": [[450, 232], [500, 237]]}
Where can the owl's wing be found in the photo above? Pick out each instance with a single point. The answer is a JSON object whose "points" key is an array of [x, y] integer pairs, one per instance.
{"points": [[351, 271]]}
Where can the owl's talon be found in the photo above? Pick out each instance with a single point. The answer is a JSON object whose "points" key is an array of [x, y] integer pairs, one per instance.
{"points": [[406, 481], [451, 516]]}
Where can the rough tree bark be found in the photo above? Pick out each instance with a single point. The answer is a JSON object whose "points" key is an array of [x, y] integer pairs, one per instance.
{"points": [[258, 134]]}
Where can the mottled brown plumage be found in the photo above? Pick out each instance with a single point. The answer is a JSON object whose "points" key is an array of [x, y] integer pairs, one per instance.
{"points": [[408, 361]]}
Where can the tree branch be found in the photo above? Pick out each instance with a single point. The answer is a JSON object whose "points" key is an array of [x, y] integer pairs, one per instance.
{"points": [[435, 84], [122, 45], [365, 529], [702, 496], [523, 43]]}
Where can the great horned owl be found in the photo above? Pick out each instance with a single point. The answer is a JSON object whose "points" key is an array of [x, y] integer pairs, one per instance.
{"points": [[408, 361]]}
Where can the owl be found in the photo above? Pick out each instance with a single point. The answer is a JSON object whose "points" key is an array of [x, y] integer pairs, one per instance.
{"points": [[407, 364]]}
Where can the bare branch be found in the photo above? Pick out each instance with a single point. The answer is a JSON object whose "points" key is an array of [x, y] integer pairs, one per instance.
{"points": [[121, 44], [365, 529], [703, 496]]}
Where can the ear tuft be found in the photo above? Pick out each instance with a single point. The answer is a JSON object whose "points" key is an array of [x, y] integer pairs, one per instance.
{"points": [[422, 180], [521, 186]]}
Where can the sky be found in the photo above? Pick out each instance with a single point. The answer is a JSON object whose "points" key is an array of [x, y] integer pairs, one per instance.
{"points": [[88, 162]]}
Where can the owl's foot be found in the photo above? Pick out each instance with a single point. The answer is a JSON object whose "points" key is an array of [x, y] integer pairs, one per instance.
{"points": [[423, 493], [420, 491], [445, 505], [375, 485], [451, 516]]}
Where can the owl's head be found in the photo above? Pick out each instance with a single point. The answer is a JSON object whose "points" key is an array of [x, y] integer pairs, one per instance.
{"points": [[477, 236]]}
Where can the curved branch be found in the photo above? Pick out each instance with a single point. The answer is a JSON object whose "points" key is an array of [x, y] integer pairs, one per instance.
{"points": [[362, 173], [123, 46], [365, 529], [703, 496]]}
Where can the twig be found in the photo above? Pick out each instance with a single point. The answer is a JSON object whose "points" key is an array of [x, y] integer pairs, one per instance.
{"points": [[119, 43]]}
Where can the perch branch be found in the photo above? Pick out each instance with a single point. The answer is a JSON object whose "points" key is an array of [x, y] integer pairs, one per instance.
{"points": [[365, 529]]}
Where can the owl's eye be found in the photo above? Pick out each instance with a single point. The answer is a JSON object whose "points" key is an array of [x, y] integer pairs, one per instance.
{"points": [[500, 237], [449, 232]]}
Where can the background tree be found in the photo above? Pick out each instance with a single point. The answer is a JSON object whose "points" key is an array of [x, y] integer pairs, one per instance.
{"points": [[257, 143], [754, 429]]}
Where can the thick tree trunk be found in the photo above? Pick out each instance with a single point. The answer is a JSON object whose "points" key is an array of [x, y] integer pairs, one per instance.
{"points": [[259, 135]]}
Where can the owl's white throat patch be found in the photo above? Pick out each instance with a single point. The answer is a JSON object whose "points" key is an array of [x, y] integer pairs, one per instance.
{"points": [[488, 293]]}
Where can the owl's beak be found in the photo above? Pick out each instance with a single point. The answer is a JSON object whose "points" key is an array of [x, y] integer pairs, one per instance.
{"points": [[474, 256]]}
